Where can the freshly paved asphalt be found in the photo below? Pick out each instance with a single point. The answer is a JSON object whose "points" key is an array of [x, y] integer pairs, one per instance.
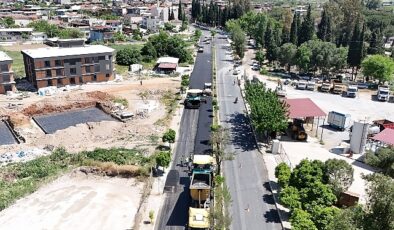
{"points": [[193, 138], [6, 137], [246, 176]]}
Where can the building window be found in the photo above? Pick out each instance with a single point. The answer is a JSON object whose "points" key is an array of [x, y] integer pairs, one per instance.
{"points": [[59, 82], [49, 82], [107, 75], [6, 78], [73, 71], [72, 81], [94, 77], [101, 58], [96, 60], [107, 66], [80, 80], [48, 73], [59, 72], [88, 60], [88, 69], [7, 88], [4, 68], [73, 61], [58, 63], [97, 68], [107, 57], [47, 63]]}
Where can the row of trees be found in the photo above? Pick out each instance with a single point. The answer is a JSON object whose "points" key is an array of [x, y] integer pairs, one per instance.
{"points": [[52, 30], [158, 45], [268, 114], [312, 189], [214, 15]]}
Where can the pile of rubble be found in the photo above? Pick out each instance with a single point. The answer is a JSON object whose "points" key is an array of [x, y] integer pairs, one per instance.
{"points": [[22, 155]]}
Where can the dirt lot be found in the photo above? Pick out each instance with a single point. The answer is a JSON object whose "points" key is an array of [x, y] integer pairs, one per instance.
{"points": [[77, 201], [140, 131]]}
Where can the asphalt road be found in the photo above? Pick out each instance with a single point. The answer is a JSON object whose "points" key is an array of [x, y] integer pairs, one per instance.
{"points": [[194, 136], [246, 175]]}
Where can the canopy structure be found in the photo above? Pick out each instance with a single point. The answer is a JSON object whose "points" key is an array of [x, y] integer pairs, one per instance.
{"points": [[386, 136], [303, 107]]}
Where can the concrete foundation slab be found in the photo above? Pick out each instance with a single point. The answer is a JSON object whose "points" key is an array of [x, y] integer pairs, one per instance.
{"points": [[6, 137]]}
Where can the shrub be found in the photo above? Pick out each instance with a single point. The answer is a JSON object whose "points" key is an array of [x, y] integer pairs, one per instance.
{"points": [[290, 197], [283, 172]]}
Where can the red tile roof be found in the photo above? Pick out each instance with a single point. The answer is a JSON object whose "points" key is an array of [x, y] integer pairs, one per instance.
{"points": [[167, 66], [386, 136], [303, 107]]}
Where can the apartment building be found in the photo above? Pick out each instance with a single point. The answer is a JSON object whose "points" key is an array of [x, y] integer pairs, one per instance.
{"points": [[60, 66], [7, 82]]}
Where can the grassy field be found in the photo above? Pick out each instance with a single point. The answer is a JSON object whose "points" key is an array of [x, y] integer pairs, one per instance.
{"points": [[20, 179], [17, 66]]}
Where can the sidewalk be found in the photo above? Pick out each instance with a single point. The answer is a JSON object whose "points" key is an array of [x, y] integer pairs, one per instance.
{"points": [[156, 197]]}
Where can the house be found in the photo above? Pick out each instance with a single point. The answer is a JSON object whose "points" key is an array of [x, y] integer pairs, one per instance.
{"points": [[38, 37], [7, 82], [167, 65], [59, 66], [115, 25], [15, 34], [101, 33], [152, 23]]}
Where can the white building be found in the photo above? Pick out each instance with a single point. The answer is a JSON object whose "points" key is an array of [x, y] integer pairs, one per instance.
{"points": [[152, 23]]}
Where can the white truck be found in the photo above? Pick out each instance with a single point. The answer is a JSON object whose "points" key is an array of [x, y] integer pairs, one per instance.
{"points": [[338, 120], [383, 93], [351, 91]]}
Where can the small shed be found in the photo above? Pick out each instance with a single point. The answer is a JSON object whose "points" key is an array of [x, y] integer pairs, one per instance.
{"points": [[167, 65]]}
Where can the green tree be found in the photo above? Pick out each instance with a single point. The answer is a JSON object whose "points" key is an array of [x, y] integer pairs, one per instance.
{"points": [[180, 11], [260, 57], [348, 219], [324, 217], [301, 220], [287, 55], [163, 159], [380, 202], [307, 29], [268, 113], [168, 26], [376, 42], [169, 136], [171, 15], [356, 48], [306, 173], [294, 29], [239, 39], [324, 27], [383, 159], [373, 4], [317, 193], [303, 57], [8, 22], [220, 137], [270, 43], [184, 26], [149, 52], [290, 197], [339, 174], [282, 173], [119, 36], [379, 67], [128, 56]]}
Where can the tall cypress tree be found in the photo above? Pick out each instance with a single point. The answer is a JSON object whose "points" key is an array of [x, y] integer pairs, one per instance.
{"points": [[294, 29], [324, 27], [269, 42], [180, 11], [307, 28], [172, 16], [376, 42], [354, 54]]}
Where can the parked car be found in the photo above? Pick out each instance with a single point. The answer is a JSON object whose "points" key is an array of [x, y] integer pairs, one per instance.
{"points": [[201, 50], [351, 91], [301, 85], [256, 66], [236, 71]]}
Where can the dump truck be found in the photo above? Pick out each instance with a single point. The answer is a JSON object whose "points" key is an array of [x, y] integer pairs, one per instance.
{"points": [[383, 93], [200, 192], [193, 99], [325, 87], [199, 219], [351, 91], [337, 88]]}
